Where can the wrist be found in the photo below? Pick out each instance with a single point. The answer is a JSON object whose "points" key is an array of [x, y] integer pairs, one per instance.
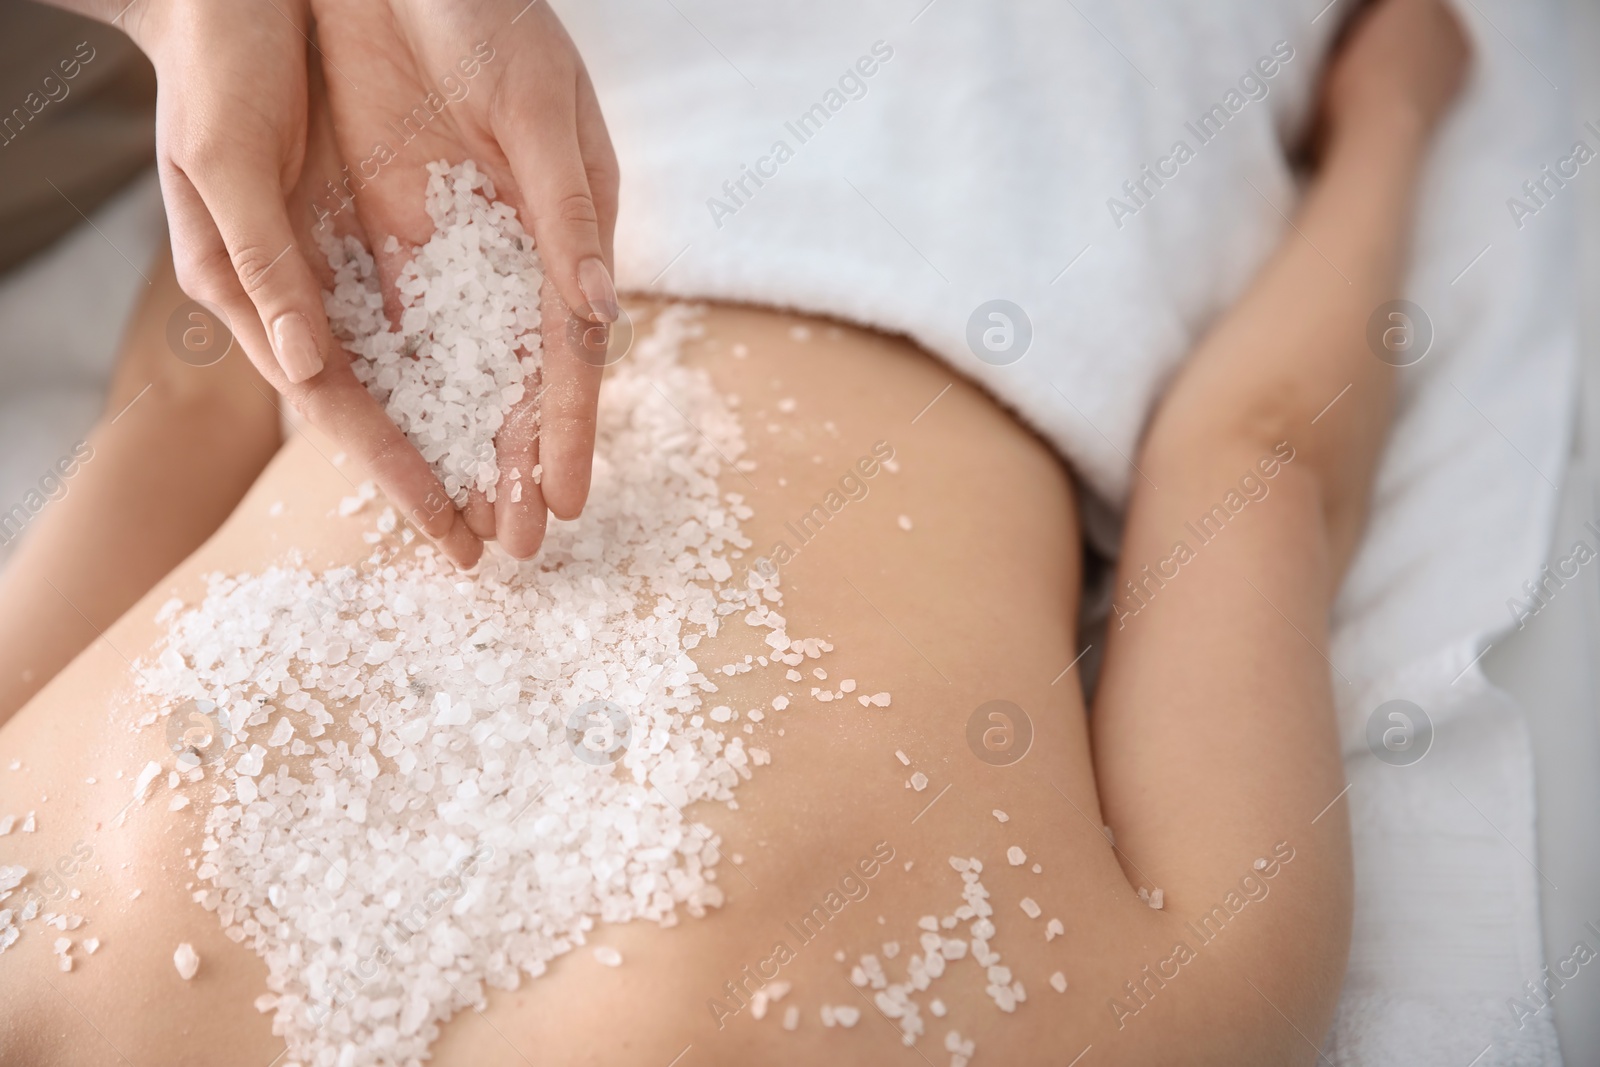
{"points": [[1392, 134]]}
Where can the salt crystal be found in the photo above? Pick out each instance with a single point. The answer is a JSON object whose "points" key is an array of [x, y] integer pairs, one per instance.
{"points": [[141, 784], [91, 945], [904, 522], [902, 757], [846, 1015], [608, 956], [919, 781], [1001, 816], [879, 700], [1053, 929], [1030, 907], [1015, 856], [791, 1017], [186, 960], [282, 732], [1059, 982]]}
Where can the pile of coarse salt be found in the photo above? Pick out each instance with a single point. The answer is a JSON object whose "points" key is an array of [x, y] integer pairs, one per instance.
{"points": [[439, 830], [468, 336]]}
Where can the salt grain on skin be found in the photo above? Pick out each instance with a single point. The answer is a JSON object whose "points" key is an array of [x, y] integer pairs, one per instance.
{"points": [[1001, 816], [608, 956], [1058, 982], [1015, 856], [186, 960]]}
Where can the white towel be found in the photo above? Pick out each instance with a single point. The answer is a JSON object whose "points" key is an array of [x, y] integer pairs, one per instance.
{"points": [[978, 161]]}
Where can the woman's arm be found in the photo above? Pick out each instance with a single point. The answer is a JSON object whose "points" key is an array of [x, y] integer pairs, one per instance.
{"points": [[174, 451], [1214, 734]]}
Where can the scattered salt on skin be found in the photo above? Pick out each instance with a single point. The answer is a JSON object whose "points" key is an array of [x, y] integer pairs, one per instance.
{"points": [[1053, 929], [608, 956], [847, 686], [791, 1017], [30, 822], [961, 1051], [1038, 868], [904, 522], [879, 700], [846, 1015], [186, 960], [902, 757], [1260, 864], [787, 405], [276, 509], [919, 781], [819, 674], [1030, 907], [452, 701], [91, 945], [1015, 856], [1001, 816], [6, 823], [1058, 981]]}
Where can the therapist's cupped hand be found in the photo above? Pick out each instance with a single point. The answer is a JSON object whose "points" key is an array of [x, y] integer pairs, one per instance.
{"points": [[413, 81], [496, 82]]}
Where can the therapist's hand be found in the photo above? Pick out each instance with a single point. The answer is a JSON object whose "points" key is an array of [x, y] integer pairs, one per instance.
{"points": [[499, 82], [231, 129]]}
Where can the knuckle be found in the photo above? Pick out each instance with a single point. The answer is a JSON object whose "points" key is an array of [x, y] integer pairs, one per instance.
{"points": [[576, 210], [202, 273], [253, 264]]}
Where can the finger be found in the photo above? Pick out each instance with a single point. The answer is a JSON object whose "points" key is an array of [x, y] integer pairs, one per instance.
{"points": [[479, 515], [338, 404], [244, 198], [520, 516], [200, 261], [537, 133], [574, 362]]}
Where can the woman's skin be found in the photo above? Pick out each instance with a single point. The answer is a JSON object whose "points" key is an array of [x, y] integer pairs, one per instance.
{"points": [[1211, 745]]}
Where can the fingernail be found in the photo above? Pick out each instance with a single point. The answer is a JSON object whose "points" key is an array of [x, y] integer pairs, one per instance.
{"points": [[296, 349], [595, 282]]}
